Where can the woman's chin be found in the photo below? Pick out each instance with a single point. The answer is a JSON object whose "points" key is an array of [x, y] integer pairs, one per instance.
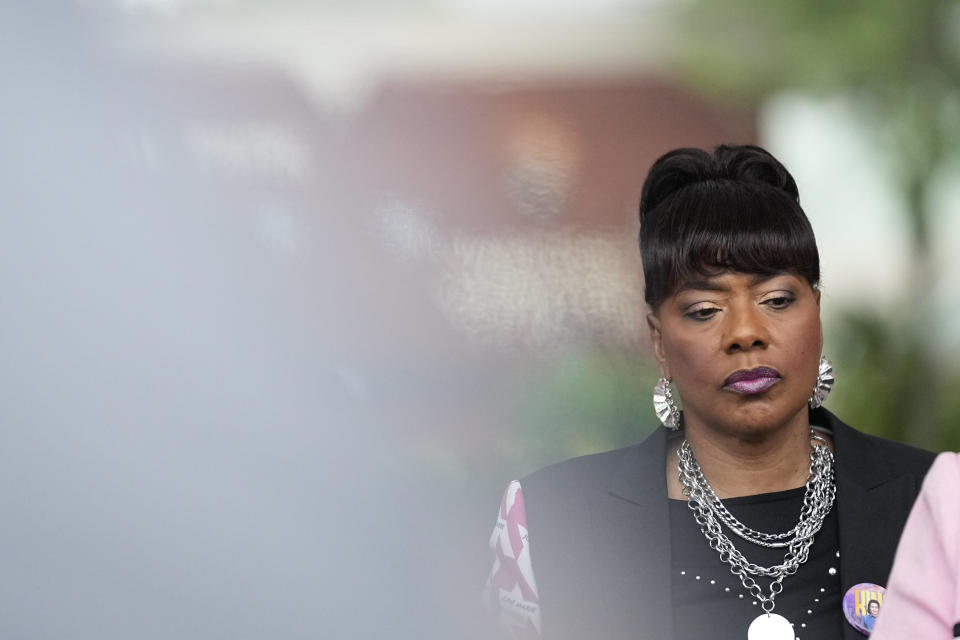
{"points": [[758, 419]]}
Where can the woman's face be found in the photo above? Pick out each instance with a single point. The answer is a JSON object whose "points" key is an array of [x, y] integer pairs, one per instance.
{"points": [[742, 350], [874, 608]]}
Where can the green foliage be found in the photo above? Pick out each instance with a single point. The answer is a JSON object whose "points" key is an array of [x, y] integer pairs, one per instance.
{"points": [[752, 48], [866, 351], [887, 386], [581, 403]]}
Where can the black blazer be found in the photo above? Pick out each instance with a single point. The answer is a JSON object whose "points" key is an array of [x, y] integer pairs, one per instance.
{"points": [[600, 530]]}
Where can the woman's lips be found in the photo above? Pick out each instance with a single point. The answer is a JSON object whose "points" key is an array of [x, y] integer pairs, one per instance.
{"points": [[752, 381]]}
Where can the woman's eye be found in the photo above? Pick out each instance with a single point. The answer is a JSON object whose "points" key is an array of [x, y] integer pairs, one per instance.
{"points": [[779, 302], [703, 313]]}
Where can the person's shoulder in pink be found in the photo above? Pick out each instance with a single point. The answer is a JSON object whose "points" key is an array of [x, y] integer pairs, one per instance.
{"points": [[511, 591], [923, 596]]}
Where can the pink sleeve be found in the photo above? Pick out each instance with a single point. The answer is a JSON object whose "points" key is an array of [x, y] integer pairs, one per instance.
{"points": [[922, 600], [511, 590]]}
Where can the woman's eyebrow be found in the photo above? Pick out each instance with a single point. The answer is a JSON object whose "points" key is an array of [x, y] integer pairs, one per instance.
{"points": [[715, 284]]}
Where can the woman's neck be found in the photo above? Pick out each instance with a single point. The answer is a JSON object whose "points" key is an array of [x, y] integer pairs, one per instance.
{"points": [[737, 466]]}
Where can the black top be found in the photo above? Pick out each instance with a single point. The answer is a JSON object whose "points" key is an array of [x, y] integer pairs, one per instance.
{"points": [[710, 602], [600, 533]]}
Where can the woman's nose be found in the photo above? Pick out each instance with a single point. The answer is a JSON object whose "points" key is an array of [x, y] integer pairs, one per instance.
{"points": [[745, 330]]}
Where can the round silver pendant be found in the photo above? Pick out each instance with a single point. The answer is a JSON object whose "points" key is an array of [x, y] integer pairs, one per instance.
{"points": [[770, 626]]}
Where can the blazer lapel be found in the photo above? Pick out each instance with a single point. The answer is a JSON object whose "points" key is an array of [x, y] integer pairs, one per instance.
{"points": [[637, 536], [872, 505]]}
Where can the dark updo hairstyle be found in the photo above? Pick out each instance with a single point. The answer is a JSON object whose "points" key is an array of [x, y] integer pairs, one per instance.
{"points": [[736, 210]]}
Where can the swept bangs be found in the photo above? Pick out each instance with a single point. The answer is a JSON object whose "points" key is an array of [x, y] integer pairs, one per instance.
{"points": [[718, 225]]}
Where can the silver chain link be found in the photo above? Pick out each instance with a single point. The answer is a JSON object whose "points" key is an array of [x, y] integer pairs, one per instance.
{"points": [[709, 512]]}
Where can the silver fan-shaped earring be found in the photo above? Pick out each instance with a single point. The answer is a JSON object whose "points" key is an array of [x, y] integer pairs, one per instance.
{"points": [[825, 382], [665, 406]]}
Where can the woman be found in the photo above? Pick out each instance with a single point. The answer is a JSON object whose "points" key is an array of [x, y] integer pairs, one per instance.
{"points": [[695, 532], [870, 617], [923, 600]]}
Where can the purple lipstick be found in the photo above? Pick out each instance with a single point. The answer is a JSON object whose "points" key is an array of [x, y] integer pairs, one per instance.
{"points": [[752, 381]]}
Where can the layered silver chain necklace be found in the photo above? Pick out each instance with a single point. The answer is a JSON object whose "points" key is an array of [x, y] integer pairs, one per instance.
{"points": [[709, 512]]}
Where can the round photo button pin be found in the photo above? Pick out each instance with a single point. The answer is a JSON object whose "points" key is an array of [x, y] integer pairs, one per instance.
{"points": [[862, 604]]}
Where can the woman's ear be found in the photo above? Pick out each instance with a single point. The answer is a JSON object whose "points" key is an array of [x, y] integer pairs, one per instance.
{"points": [[816, 296], [656, 339]]}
